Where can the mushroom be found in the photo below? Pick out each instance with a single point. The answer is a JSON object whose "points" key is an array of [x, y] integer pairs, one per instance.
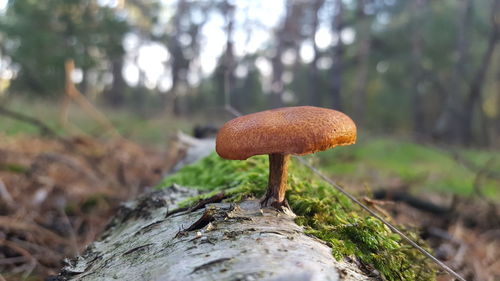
{"points": [[280, 132]]}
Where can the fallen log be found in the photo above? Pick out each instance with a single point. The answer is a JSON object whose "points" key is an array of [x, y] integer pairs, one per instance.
{"points": [[222, 241]]}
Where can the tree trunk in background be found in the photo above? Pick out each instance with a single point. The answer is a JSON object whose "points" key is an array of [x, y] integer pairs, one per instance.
{"points": [[172, 101], [418, 9], [116, 95], [229, 62], [277, 83], [449, 123], [476, 86], [178, 64], [287, 37], [84, 85], [363, 59], [337, 53], [314, 78]]}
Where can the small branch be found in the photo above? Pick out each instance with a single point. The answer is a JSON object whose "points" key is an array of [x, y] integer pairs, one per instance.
{"points": [[210, 263], [412, 201], [217, 198], [44, 129]]}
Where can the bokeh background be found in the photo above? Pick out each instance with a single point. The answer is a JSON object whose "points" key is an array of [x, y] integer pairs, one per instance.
{"points": [[92, 93]]}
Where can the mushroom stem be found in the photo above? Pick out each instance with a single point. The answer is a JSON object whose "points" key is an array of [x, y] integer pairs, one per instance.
{"points": [[278, 173]]}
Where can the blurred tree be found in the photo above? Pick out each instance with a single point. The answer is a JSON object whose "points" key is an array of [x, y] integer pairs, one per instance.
{"points": [[450, 120], [476, 86], [364, 13], [287, 41], [418, 10], [396, 66], [314, 78], [40, 35], [337, 56], [228, 61]]}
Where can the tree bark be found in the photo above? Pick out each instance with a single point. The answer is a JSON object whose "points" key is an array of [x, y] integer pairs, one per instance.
{"points": [[221, 241]]}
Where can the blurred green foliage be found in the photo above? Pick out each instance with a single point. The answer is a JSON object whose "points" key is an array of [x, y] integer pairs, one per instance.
{"points": [[38, 36], [383, 162]]}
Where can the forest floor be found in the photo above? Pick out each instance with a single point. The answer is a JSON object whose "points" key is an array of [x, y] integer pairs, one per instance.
{"points": [[56, 195]]}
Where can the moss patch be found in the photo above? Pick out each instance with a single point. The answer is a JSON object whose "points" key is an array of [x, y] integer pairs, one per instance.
{"points": [[323, 211]]}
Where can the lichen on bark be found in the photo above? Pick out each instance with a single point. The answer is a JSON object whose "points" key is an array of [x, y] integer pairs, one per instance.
{"points": [[322, 211]]}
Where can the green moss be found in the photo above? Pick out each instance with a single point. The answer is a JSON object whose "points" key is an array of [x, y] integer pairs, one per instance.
{"points": [[323, 211]]}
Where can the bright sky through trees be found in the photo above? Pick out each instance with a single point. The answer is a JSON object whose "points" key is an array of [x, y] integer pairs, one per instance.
{"points": [[255, 22]]}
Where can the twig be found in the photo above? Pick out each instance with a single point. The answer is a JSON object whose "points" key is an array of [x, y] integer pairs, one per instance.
{"points": [[198, 205], [9, 223], [375, 204], [417, 203], [45, 130], [23, 252], [45, 159]]}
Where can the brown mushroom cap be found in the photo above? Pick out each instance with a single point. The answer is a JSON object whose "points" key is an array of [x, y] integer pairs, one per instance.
{"points": [[290, 130]]}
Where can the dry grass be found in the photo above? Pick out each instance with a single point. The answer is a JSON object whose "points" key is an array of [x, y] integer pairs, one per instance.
{"points": [[56, 196]]}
